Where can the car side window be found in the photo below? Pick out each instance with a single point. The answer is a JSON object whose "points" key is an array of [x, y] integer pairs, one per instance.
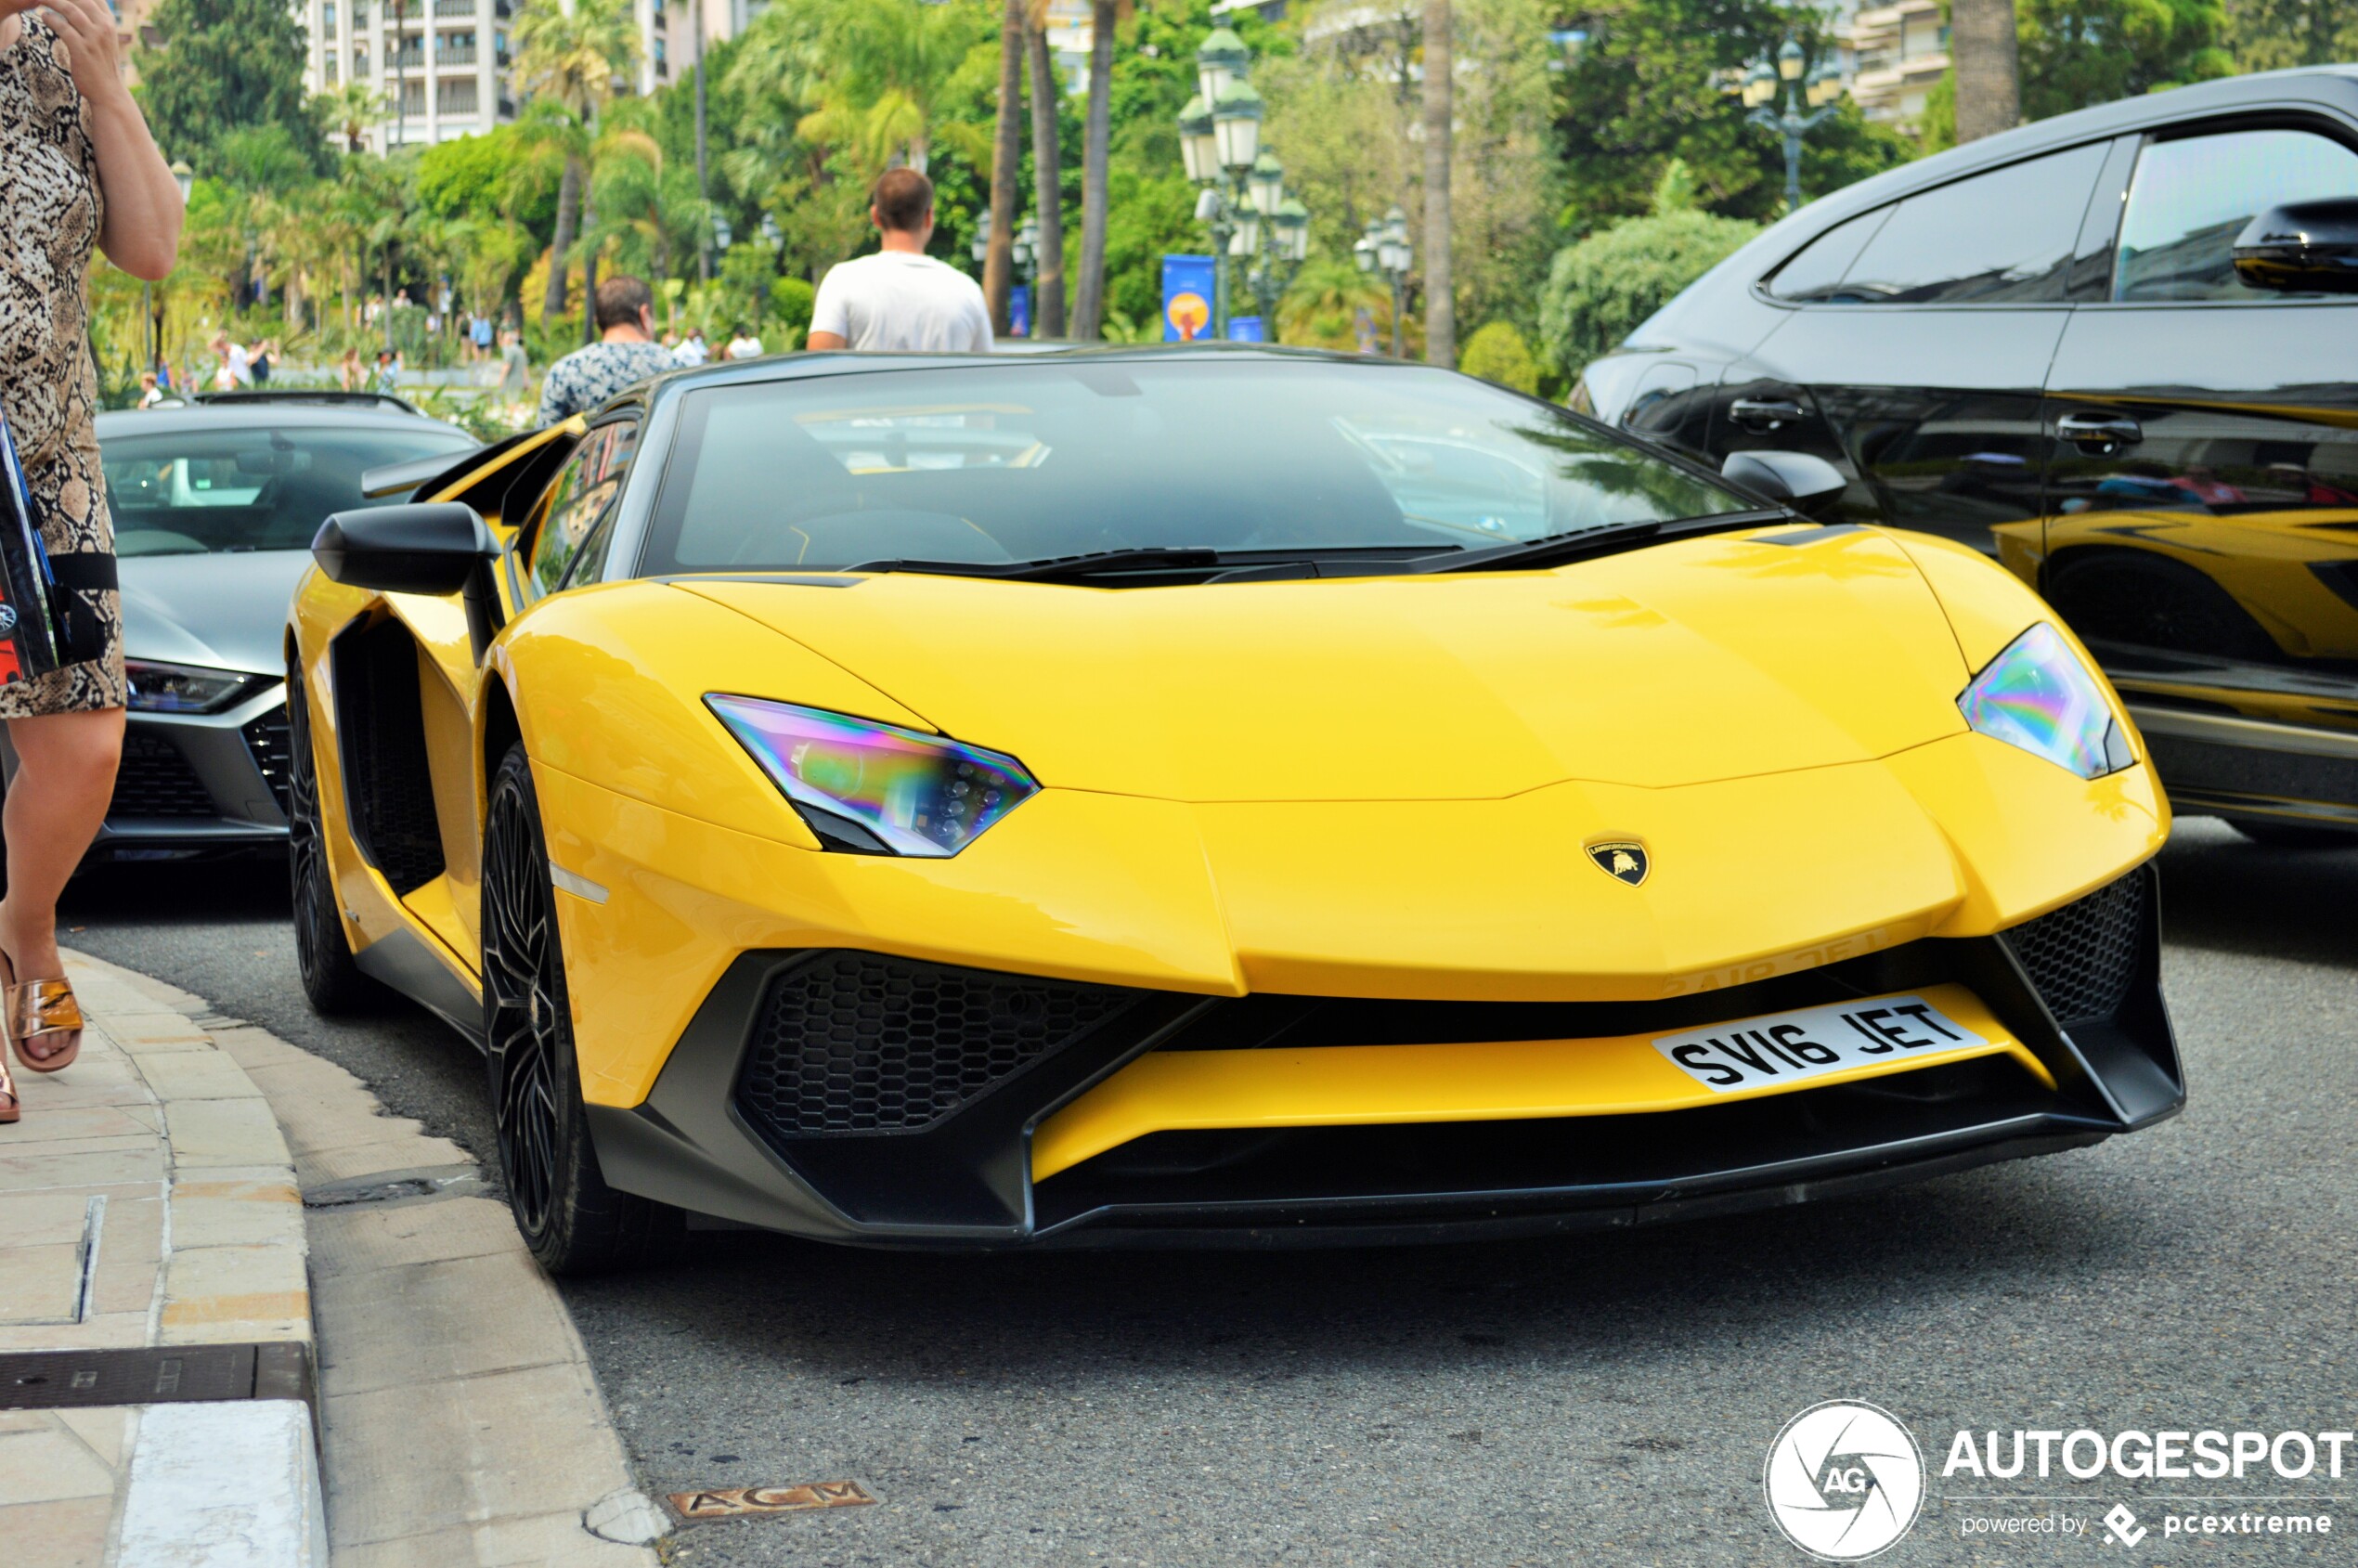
{"points": [[2002, 238], [1815, 275], [2190, 197], [578, 500]]}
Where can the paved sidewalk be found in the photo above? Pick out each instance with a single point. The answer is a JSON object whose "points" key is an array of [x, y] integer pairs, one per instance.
{"points": [[460, 1423], [147, 1199]]}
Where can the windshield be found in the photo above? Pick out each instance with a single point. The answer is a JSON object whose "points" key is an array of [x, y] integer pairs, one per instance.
{"points": [[1039, 459], [197, 492]]}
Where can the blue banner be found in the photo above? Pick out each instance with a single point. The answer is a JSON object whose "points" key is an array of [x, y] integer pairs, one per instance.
{"points": [[1187, 298], [1019, 311], [1246, 329]]}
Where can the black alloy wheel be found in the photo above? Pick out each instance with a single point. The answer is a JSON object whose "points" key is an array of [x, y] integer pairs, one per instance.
{"points": [[571, 1220], [332, 981]]}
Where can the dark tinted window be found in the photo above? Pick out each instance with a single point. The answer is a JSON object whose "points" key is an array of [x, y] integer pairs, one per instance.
{"points": [[1815, 275], [195, 492], [2191, 197], [578, 500], [1035, 458], [2002, 238]]}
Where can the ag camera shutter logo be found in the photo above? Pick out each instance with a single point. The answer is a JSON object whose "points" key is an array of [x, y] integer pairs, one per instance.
{"points": [[1844, 1481]]}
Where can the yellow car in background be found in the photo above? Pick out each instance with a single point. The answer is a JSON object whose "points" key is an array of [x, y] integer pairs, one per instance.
{"points": [[1210, 795]]}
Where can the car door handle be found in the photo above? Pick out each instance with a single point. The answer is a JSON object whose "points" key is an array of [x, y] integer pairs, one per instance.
{"points": [[2105, 433], [1765, 413]]}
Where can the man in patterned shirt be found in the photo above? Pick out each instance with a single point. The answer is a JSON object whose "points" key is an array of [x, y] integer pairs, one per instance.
{"points": [[626, 353]]}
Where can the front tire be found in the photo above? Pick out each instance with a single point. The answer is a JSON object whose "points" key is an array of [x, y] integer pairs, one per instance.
{"points": [[572, 1220], [332, 981]]}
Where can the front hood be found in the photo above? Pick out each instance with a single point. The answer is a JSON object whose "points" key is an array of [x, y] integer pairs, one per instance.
{"points": [[225, 611], [1712, 658]]}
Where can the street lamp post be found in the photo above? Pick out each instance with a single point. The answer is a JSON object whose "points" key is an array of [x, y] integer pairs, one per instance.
{"points": [[1243, 198], [1384, 252], [1755, 84], [185, 179]]}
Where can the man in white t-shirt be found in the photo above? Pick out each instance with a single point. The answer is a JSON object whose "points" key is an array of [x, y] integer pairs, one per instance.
{"points": [[901, 299]]}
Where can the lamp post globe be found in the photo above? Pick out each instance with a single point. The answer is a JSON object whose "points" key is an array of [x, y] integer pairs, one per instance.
{"points": [[1221, 59], [1197, 150], [1266, 184], [1789, 60], [980, 249], [1236, 126]]}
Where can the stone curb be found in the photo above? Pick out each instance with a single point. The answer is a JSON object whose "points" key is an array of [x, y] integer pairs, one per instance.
{"points": [[165, 1159], [461, 1422]]}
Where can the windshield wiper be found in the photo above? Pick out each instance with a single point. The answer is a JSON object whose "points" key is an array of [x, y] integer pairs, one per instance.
{"points": [[1050, 568], [1555, 550], [1157, 558]]}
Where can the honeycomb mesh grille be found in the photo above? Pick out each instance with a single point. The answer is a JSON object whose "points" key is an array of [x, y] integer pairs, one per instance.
{"points": [[2083, 956], [155, 780], [859, 1042]]}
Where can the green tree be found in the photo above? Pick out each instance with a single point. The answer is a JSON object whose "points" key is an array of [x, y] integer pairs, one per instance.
{"points": [[1601, 289], [2076, 53], [349, 112], [1641, 92], [1498, 353], [224, 65], [2268, 35], [570, 56]]}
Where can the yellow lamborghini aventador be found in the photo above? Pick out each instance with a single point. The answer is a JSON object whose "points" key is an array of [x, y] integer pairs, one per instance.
{"points": [[1208, 795]]}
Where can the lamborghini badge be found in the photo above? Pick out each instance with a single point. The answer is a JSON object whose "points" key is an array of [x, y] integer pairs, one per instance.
{"points": [[1622, 858]]}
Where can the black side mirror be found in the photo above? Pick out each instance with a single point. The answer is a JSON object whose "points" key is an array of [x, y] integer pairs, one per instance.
{"points": [[429, 547], [425, 547], [2301, 248], [1809, 484]]}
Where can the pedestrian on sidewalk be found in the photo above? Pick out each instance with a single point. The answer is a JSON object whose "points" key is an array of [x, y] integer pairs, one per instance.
{"points": [[901, 298], [81, 172], [626, 353]]}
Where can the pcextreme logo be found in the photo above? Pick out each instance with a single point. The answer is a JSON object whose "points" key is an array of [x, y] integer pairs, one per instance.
{"points": [[1843, 1480]]}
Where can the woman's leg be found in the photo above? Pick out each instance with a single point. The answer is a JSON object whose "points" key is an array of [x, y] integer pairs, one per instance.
{"points": [[65, 778]]}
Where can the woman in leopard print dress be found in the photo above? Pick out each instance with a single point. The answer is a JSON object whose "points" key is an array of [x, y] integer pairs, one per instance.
{"points": [[77, 169]]}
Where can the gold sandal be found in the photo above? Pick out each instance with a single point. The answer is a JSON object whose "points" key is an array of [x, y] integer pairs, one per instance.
{"points": [[9, 1110], [39, 1007]]}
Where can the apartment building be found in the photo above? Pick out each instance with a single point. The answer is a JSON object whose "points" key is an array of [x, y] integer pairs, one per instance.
{"points": [[450, 64], [1901, 51]]}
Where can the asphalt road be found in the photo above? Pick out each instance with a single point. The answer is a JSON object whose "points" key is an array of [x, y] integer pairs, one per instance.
{"points": [[1608, 1399]]}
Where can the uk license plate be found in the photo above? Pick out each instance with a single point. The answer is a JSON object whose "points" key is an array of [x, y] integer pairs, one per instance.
{"points": [[1780, 1048]]}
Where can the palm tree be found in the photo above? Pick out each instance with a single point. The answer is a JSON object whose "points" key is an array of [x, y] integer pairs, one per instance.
{"points": [[1441, 302], [1981, 43], [882, 77], [350, 111], [1006, 152], [1089, 296], [571, 57], [1048, 201]]}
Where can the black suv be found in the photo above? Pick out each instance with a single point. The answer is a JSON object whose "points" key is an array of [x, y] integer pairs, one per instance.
{"points": [[2117, 349]]}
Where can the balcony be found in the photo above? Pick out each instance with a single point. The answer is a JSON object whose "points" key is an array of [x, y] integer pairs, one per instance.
{"points": [[456, 95], [463, 10], [447, 57]]}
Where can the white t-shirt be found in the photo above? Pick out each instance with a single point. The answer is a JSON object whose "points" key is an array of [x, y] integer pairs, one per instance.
{"points": [[693, 351], [894, 300], [743, 349]]}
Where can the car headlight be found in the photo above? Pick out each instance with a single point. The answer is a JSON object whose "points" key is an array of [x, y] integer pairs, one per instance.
{"points": [[157, 687], [873, 789], [2037, 694]]}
